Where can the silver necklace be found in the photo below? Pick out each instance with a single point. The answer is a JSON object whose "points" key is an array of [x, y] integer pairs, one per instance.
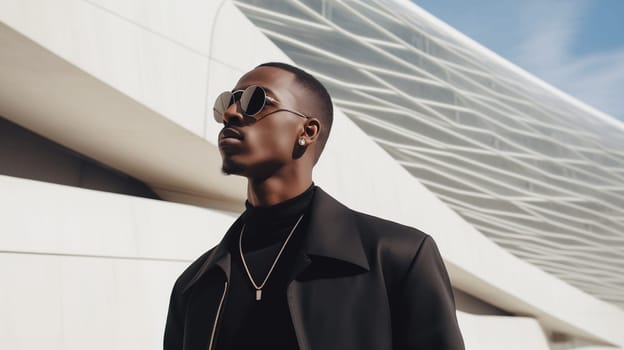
{"points": [[240, 249]]}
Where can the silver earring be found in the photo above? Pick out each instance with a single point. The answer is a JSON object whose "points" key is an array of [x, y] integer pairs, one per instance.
{"points": [[301, 141]]}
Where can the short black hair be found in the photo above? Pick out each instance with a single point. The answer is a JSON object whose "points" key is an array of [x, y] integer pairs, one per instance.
{"points": [[325, 112]]}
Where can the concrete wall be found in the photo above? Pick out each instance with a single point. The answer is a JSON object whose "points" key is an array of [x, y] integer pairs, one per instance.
{"points": [[84, 269]]}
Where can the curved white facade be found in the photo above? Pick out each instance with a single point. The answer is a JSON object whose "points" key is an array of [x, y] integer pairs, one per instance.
{"points": [[538, 175], [130, 83]]}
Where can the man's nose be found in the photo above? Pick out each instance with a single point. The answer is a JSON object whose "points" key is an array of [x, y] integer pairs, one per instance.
{"points": [[233, 114]]}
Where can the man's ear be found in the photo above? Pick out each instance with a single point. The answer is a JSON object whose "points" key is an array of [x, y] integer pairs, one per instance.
{"points": [[312, 130]]}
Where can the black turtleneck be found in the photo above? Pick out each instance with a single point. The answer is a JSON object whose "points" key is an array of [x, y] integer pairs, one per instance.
{"points": [[246, 323]]}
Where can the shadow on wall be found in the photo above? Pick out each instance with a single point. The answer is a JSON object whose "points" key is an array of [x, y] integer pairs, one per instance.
{"points": [[28, 155]]}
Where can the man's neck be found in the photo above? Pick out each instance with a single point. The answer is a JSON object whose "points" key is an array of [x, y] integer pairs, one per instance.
{"points": [[272, 191]]}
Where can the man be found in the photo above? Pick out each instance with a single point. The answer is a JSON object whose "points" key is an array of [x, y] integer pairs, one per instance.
{"points": [[298, 270]]}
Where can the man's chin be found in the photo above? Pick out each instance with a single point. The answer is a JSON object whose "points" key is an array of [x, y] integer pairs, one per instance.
{"points": [[227, 171], [231, 168]]}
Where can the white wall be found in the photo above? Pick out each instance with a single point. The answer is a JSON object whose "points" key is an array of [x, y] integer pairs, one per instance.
{"points": [[83, 269], [501, 332]]}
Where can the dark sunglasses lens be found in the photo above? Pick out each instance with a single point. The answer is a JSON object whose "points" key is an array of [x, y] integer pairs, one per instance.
{"points": [[252, 100], [236, 96], [221, 104]]}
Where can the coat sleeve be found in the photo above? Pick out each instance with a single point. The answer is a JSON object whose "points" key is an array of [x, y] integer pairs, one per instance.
{"points": [[424, 311], [174, 328]]}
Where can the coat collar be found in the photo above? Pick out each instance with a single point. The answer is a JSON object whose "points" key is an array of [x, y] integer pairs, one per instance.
{"points": [[332, 233]]}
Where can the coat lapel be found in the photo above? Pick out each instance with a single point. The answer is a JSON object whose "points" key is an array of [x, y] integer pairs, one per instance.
{"points": [[219, 257], [333, 232], [332, 248]]}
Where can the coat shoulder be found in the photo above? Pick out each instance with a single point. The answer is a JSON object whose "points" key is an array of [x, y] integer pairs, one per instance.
{"points": [[375, 229], [391, 247]]}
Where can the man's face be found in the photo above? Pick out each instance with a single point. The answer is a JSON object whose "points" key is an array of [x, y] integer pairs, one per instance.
{"points": [[257, 146]]}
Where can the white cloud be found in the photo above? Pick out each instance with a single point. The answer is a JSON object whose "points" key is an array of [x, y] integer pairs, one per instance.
{"points": [[539, 36], [599, 80], [545, 51], [549, 30]]}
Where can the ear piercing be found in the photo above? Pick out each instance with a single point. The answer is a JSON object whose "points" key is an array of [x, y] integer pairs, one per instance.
{"points": [[301, 141]]}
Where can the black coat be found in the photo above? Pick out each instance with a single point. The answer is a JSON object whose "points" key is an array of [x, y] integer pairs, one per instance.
{"points": [[361, 282]]}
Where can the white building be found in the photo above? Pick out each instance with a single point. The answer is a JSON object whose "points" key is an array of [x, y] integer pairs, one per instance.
{"points": [[110, 178]]}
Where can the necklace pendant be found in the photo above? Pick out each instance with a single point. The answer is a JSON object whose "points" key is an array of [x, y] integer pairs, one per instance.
{"points": [[258, 294]]}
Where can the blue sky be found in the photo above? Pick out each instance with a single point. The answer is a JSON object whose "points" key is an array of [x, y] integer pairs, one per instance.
{"points": [[575, 45]]}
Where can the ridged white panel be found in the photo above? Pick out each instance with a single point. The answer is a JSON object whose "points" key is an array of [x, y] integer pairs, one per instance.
{"points": [[539, 175]]}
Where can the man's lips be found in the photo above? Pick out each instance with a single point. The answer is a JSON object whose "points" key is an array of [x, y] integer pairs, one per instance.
{"points": [[230, 133], [229, 137]]}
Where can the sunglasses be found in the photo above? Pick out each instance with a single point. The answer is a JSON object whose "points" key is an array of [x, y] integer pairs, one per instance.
{"points": [[252, 100]]}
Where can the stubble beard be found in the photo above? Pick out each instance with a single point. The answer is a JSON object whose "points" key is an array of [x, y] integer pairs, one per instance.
{"points": [[231, 168]]}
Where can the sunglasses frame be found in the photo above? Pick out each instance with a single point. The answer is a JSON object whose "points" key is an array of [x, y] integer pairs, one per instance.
{"points": [[246, 95]]}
